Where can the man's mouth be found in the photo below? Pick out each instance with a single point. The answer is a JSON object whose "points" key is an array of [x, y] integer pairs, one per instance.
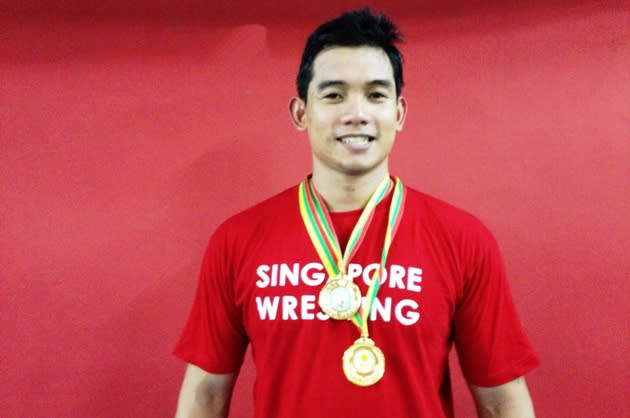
{"points": [[355, 139]]}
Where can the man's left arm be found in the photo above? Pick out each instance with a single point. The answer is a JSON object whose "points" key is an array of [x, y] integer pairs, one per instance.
{"points": [[509, 400]]}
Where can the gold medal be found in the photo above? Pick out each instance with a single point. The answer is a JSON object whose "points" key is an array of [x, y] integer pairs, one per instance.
{"points": [[340, 298], [363, 362]]}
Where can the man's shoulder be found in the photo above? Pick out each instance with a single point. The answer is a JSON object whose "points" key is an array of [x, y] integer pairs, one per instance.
{"points": [[434, 206], [273, 209], [434, 211]]}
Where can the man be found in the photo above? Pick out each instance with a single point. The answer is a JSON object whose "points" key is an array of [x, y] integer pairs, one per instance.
{"points": [[352, 288]]}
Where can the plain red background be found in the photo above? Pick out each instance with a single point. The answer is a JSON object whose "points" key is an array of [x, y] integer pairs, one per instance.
{"points": [[128, 130]]}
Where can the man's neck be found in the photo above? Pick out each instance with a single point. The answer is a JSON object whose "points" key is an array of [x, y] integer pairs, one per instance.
{"points": [[343, 192]]}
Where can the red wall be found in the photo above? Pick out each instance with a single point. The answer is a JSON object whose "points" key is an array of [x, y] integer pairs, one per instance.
{"points": [[126, 136]]}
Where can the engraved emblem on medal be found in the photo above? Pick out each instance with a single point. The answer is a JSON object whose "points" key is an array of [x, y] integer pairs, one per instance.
{"points": [[363, 362], [340, 298]]}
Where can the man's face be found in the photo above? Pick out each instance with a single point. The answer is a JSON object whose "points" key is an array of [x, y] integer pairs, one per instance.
{"points": [[352, 113]]}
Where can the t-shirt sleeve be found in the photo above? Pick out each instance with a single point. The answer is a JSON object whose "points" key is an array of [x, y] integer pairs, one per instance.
{"points": [[213, 337], [491, 343]]}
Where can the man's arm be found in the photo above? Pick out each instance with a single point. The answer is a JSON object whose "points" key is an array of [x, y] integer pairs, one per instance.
{"points": [[510, 400], [204, 395]]}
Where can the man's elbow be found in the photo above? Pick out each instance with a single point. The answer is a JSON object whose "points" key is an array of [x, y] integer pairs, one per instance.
{"points": [[510, 400], [212, 397], [204, 395]]}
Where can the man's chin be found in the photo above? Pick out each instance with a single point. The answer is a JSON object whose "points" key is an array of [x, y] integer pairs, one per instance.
{"points": [[359, 170]]}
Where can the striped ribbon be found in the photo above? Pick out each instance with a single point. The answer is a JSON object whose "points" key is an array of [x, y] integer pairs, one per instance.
{"points": [[322, 233]]}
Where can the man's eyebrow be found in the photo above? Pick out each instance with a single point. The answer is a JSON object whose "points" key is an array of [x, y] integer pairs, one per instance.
{"points": [[331, 83], [339, 83], [380, 83]]}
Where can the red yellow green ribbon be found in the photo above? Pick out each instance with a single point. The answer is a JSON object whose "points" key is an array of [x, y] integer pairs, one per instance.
{"points": [[396, 209], [322, 233]]}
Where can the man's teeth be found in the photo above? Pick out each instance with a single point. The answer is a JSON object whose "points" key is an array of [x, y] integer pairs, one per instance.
{"points": [[355, 140]]}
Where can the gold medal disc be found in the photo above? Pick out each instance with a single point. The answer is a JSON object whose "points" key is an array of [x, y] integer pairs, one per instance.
{"points": [[340, 298], [363, 362]]}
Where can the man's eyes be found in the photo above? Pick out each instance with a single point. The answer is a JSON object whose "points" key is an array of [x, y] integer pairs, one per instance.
{"points": [[333, 96], [377, 95], [374, 95]]}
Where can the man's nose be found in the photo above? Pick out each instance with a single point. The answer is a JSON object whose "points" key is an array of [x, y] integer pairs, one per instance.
{"points": [[355, 112]]}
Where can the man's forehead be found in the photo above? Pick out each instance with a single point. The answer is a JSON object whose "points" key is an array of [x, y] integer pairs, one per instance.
{"points": [[352, 64]]}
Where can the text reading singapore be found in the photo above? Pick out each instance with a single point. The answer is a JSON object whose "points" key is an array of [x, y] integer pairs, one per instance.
{"points": [[304, 307]]}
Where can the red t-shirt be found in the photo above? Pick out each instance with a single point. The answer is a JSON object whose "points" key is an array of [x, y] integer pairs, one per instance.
{"points": [[445, 284]]}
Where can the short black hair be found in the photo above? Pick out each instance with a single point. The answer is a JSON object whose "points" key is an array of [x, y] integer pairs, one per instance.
{"points": [[352, 29]]}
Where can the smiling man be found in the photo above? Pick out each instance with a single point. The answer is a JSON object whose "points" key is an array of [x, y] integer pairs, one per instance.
{"points": [[351, 112], [351, 287]]}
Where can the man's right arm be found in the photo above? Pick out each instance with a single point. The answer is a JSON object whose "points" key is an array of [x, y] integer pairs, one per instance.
{"points": [[204, 395]]}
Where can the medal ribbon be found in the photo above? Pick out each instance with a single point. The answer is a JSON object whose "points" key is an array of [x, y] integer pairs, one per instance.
{"points": [[396, 208], [322, 233]]}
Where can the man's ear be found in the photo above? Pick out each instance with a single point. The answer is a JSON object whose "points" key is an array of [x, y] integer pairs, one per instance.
{"points": [[297, 110], [401, 112]]}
